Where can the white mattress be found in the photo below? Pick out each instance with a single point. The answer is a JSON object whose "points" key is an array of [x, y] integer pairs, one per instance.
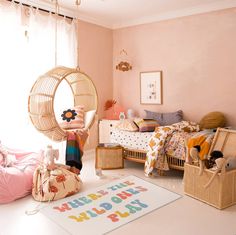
{"points": [[131, 140]]}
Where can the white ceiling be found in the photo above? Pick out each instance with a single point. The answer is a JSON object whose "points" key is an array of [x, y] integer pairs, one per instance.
{"points": [[122, 13]]}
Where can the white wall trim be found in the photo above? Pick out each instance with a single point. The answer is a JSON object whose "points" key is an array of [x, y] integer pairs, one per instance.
{"points": [[180, 13], [214, 6], [49, 6]]}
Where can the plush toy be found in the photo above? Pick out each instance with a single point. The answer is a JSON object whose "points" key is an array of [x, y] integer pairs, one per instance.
{"points": [[194, 154], [220, 163], [231, 163], [214, 156], [49, 156]]}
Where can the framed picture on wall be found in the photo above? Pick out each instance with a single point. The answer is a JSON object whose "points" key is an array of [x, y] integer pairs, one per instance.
{"points": [[151, 87]]}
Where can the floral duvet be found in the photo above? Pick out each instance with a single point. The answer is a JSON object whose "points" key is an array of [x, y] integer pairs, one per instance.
{"points": [[165, 140]]}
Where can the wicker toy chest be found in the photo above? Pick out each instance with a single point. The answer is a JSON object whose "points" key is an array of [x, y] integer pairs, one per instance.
{"points": [[221, 193]]}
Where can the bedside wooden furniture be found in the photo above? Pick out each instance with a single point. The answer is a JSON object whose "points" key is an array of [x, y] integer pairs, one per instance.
{"points": [[105, 128], [109, 157]]}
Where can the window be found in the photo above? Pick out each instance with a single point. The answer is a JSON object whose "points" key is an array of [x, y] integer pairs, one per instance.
{"points": [[27, 46]]}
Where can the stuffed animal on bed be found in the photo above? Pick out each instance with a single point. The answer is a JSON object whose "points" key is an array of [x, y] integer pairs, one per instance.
{"points": [[49, 156]]}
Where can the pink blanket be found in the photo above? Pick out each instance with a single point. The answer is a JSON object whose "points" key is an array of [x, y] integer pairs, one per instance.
{"points": [[16, 178]]}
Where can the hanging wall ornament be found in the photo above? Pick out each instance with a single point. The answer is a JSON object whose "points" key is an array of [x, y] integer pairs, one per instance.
{"points": [[123, 65]]}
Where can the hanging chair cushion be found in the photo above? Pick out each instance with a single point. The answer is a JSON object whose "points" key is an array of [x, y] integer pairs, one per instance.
{"points": [[88, 118], [16, 179], [77, 122]]}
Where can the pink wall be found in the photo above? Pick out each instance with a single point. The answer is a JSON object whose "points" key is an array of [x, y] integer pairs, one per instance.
{"points": [[95, 59], [197, 55]]}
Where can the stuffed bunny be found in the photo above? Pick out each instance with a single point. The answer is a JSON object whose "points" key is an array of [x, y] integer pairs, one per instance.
{"points": [[49, 156]]}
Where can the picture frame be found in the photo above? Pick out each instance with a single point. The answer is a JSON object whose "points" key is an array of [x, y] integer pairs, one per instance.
{"points": [[151, 87]]}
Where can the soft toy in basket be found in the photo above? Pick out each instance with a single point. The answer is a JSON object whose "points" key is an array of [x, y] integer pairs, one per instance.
{"points": [[213, 179], [52, 181]]}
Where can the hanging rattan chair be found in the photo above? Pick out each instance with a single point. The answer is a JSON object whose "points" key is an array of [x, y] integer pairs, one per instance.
{"points": [[41, 100]]}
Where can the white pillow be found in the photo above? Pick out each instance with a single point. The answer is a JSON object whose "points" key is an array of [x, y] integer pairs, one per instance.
{"points": [[127, 125]]}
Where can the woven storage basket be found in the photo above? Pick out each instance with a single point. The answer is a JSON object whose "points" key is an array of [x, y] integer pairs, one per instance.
{"points": [[222, 191], [41, 99], [109, 158]]}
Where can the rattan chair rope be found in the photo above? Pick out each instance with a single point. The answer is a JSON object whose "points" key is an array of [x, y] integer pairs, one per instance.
{"points": [[41, 100]]}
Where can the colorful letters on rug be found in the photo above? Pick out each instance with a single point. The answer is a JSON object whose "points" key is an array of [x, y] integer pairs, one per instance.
{"points": [[107, 207]]}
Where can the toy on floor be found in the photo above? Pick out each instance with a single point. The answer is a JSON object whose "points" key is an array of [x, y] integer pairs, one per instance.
{"points": [[49, 156], [53, 181]]}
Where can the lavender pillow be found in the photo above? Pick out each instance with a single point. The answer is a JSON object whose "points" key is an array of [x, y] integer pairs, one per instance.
{"points": [[165, 119]]}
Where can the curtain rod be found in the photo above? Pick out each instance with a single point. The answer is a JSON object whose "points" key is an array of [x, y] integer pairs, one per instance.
{"points": [[41, 9]]}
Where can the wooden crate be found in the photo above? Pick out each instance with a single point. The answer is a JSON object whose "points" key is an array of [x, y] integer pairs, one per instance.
{"points": [[222, 191], [109, 158]]}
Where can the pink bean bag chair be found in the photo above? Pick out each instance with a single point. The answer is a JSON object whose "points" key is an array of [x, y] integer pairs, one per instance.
{"points": [[16, 173]]}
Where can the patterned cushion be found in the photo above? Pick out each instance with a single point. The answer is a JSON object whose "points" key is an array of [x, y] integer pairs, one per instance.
{"points": [[165, 119], [146, 125], [127, 125], [78, 122]]}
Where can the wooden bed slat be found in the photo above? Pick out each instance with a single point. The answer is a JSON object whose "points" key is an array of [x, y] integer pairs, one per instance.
{"points": [[140, 157]]}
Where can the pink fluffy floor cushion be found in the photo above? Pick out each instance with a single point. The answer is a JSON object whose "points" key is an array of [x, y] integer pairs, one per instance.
{"points": [[16, 174]]}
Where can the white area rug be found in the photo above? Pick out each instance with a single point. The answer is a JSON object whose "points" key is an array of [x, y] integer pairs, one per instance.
{"points": [[103, 209]]}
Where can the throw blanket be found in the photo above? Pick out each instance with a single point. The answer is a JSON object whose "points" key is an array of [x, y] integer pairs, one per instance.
{"points": [[157, 142], [74, 148], [203, 139]]}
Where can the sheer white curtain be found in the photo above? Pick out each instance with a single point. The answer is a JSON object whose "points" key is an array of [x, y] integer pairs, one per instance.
{"points": [[42, 40], [27, 50]]}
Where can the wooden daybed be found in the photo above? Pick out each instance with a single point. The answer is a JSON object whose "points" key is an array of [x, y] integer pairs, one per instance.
{"points": [[135, 147], [140, 157]]}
